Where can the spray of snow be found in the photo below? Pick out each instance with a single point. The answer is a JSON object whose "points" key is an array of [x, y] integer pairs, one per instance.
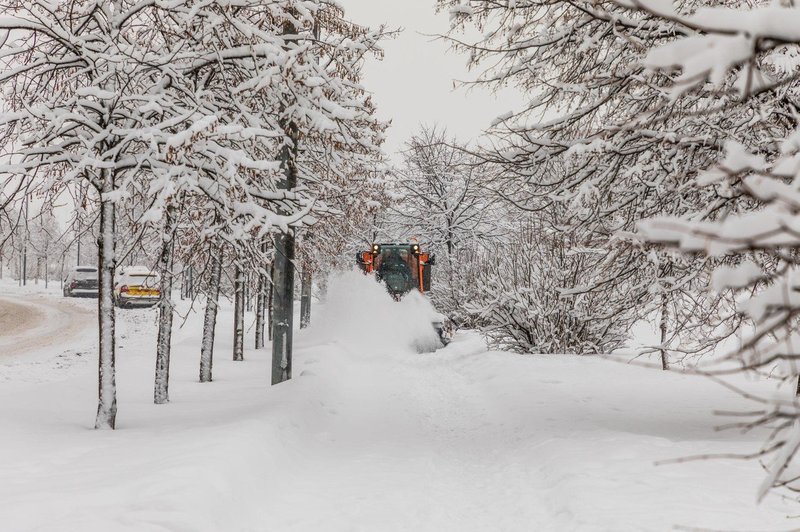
{"points": [[359, 312]]}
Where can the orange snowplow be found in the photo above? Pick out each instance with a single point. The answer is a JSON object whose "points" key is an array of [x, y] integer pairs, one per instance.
{"points": [[402, 268]]}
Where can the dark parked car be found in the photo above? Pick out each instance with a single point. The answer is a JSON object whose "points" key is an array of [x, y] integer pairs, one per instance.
{"points": [[81, 282]]}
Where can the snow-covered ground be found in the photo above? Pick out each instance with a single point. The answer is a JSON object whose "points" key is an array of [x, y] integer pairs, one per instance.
{"points": [[369, 435]]}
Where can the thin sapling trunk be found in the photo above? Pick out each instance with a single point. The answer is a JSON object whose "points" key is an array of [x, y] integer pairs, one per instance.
{"points": [[165, 307], [107, 387], [238, 315], [305, 298], [210, 318]]}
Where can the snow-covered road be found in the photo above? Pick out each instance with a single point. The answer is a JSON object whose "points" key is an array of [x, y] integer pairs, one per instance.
{"points": [[16, 318], [371, 436], [34, 321]]}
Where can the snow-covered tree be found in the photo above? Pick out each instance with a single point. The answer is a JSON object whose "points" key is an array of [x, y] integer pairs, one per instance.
{"points": [[74, 81], [441, 197], [597, 139], [344, 228], [740, 64], [46, 243], [516, 294], [307, 89], [183, 96], [441, 191], [335, 149]]}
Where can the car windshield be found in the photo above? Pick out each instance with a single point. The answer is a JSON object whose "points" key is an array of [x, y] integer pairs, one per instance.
{"points": [[394, 268], [142, 280], [398, 280]]}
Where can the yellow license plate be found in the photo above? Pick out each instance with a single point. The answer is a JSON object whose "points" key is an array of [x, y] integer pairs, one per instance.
{"points": [[143, 292]]}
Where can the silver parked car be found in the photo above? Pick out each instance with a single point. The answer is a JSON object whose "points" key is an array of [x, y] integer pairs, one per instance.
{"points": [[81, 281]]}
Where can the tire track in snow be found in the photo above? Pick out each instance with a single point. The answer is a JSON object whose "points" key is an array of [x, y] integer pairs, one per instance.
{"points": [[15, 318]]}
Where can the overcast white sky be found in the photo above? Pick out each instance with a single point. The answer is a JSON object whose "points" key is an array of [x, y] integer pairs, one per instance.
{"points": [[413, 85]]}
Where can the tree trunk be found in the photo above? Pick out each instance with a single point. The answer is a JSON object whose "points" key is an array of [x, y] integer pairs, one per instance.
{"points": [[107, 388], [663, 326], [248, 294], [450, 235], [183, 284], [305, 298], [270, 295], [282, 307], [238, 315], [165, 307], [210, 318], [190, 285], [260, 307]]}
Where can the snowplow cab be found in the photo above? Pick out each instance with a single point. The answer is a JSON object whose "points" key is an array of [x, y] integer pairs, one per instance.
{"points": [[402, 267]]}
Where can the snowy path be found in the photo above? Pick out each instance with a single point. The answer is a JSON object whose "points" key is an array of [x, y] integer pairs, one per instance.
{"points": [[369, 436], [469, 440], [422, 441]]}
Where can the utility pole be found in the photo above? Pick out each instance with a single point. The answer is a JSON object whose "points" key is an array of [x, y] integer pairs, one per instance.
{"points": [[283, 265], [283, 276]]}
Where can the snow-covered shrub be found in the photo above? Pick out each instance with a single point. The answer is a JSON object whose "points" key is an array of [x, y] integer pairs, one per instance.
{"points": [[521, 300]]}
